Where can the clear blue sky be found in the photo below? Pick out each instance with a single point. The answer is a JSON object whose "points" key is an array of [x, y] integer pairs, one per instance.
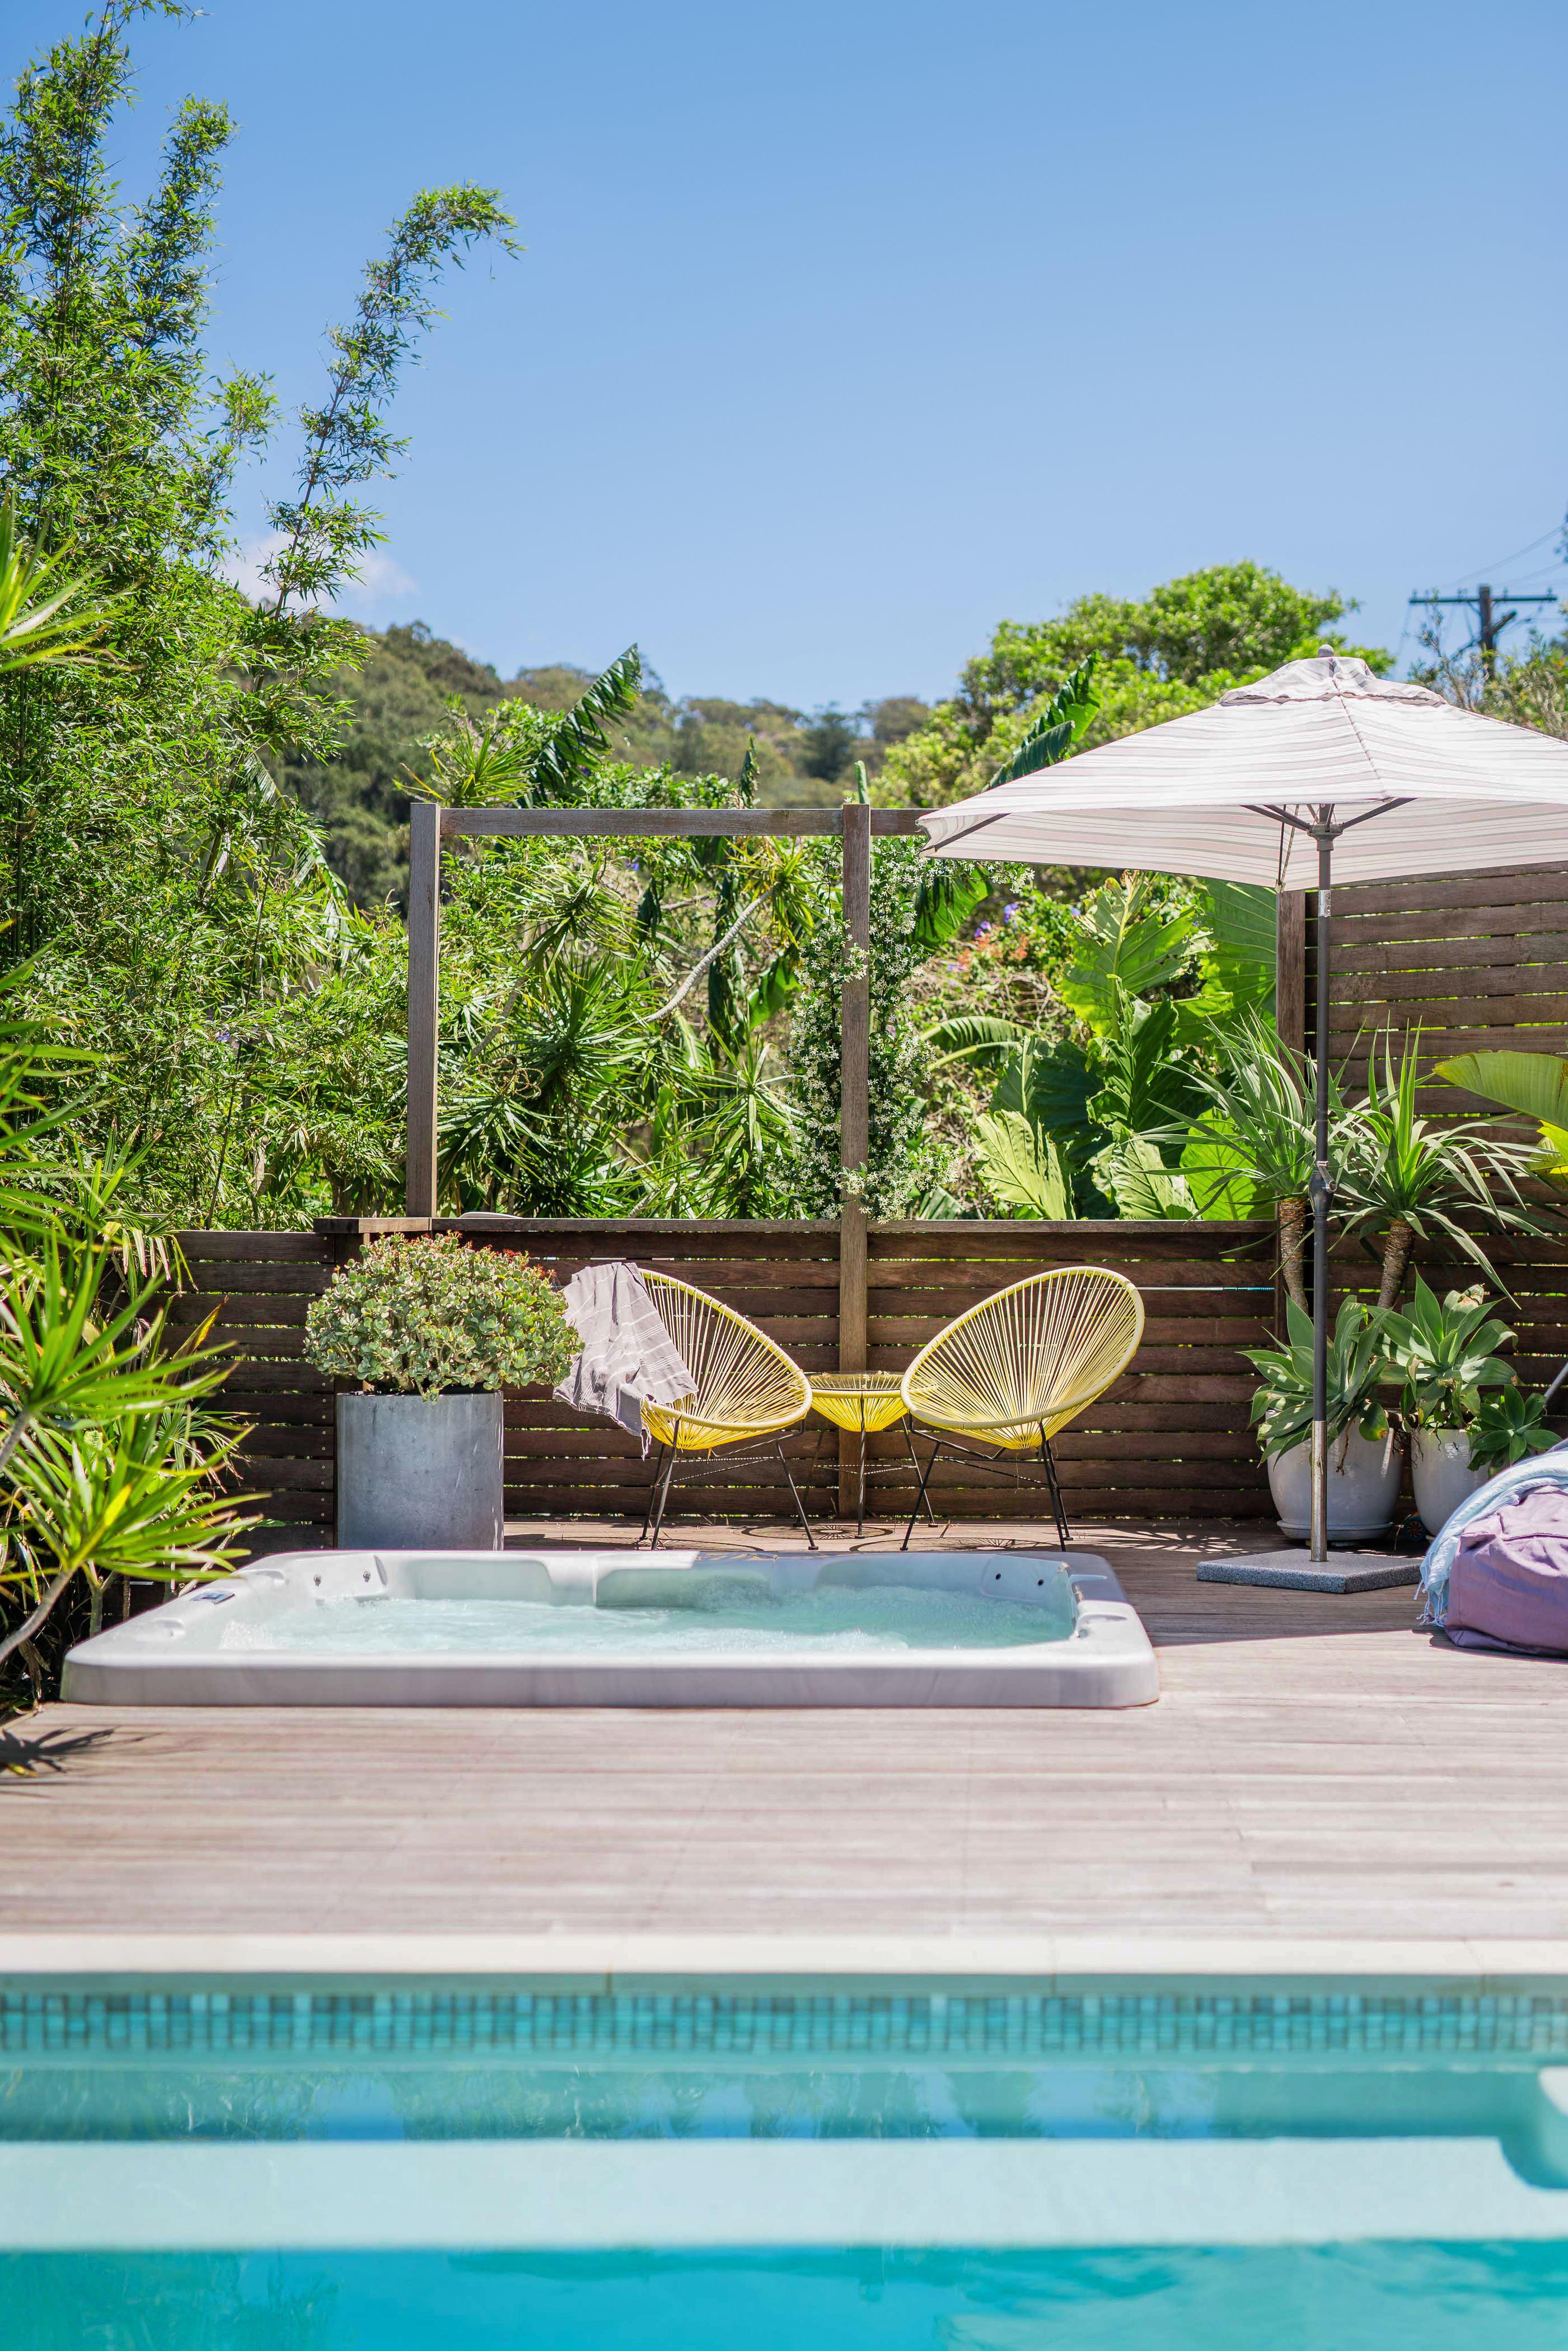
{"points": [[846, 329]]}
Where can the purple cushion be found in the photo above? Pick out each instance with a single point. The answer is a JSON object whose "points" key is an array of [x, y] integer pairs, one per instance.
{"points": [[1509, 1582]]}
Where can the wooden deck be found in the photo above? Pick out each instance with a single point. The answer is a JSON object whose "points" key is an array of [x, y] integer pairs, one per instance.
{"points": [[1315, 1767]]}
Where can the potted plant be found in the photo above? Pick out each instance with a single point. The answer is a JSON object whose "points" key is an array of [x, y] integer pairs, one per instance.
{"points": [[1467, 1413], [1447, 1354], [430, 1330], [1363, 1457]]}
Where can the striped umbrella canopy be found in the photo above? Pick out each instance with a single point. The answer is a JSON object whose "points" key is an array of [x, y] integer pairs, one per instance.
{"points": [[1320, 771], [1235, 790]]}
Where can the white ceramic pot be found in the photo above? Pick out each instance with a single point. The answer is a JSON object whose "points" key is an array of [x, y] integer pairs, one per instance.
{"points": [[1363, 1489], [1441, 1474]]}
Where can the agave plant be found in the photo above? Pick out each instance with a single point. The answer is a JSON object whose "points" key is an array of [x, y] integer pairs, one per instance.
{"points": [[1509, 1425], [1402, 1179], [1448, 1351], [1357, 1369]]}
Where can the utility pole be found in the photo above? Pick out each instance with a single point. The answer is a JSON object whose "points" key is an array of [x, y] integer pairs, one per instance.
{"points": [[1490, 622]]}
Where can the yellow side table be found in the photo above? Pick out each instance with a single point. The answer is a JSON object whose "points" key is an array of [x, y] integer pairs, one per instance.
{"points": [[863, 1403]]}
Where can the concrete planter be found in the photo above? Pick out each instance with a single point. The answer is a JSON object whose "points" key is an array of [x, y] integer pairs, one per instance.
{"points": [[1441, 1474], [413, 1471], [1363, 1489]]}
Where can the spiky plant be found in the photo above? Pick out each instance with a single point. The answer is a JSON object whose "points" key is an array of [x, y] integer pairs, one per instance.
{"points": [[1400, 1178]]}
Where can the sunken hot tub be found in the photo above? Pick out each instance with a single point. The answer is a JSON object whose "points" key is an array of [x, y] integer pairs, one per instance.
{"points": [[613, 1628]]}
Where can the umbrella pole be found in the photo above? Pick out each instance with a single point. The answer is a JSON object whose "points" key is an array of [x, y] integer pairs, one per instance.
{"points": [[1319, 1190]]}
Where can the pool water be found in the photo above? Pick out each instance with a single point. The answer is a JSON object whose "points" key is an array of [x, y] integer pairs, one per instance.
{"points": [[1363, 2297], [364, 2169], [718, 1616]]}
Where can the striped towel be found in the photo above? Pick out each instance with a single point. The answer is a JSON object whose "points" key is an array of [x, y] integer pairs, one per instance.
{"points": [[627, 1353]]}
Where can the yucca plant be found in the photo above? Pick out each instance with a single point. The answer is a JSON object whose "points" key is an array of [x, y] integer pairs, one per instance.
{"points": [[1401, 1178], [142, 1495], [1258, 1131]]}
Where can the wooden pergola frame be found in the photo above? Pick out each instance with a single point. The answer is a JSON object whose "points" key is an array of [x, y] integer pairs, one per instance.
{"points": [[853, 824]]}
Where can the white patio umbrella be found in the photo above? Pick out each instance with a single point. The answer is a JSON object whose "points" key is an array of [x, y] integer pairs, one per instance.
{"points": [[1321, 768]]}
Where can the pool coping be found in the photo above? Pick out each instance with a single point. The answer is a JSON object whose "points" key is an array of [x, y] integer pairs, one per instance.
{"points": [[626, 1961]]}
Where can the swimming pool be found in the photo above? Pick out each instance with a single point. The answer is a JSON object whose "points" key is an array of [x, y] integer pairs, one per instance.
{"points": [[610, 1629], [291, 2166]]}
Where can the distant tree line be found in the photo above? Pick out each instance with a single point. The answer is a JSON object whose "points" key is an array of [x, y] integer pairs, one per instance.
{"points": [[399, 696]]}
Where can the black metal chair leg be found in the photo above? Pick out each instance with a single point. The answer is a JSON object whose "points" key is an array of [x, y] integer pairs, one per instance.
{"points": [[652, 1489], [925, 1476], [665, 1492], [795, 1491], [1054, 1482], [915, 1459]]}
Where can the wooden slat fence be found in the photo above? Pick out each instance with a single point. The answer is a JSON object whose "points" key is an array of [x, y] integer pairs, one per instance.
{"points": [[1477, 964], [260, 1285], [1172, 1438], [1169, 1441]]}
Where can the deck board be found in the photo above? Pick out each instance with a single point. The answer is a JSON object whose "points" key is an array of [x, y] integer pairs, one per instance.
{"points": [[1314, 1767]]}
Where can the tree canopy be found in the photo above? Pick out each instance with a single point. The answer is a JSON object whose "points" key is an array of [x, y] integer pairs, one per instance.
{"points": [[1174, 651]]}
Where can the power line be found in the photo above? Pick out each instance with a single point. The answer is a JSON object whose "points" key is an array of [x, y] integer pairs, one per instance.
{"points": [[1496, 562]]}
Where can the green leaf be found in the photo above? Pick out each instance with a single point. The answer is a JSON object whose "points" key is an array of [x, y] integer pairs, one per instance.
{"points": [[1021, 1165], [1218, 1173], [1535, 1084], [1241, 918], [1128, 946], [948, 896], [976, 1037], [1050, 1086], [1140, 1183], [1064, 721], [1145, 1086]]}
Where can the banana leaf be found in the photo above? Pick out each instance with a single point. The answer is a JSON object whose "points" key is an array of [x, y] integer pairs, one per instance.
{"points": [[1021, 1165]]}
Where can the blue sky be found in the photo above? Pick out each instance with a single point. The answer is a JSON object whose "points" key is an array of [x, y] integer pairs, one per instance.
{"points": [[846, 329]]}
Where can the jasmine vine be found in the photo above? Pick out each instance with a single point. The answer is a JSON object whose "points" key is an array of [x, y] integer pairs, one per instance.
{"points": [[899, 1164]]}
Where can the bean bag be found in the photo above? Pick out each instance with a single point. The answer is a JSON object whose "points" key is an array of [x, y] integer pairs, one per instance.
{"points": [[1496, 1577]]}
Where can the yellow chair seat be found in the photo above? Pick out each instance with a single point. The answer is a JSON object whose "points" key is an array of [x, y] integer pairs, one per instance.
{"points": [[746, 1386], [858, 1401]]}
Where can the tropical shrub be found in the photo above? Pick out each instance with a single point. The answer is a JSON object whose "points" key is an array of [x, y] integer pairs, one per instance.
{"points": [[915, 908], [112, 1461], [430, 1317], [1115, 1094]]}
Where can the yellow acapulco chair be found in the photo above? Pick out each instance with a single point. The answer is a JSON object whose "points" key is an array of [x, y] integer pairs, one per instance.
{"points": [[747, 1392], [1010, 1373]]}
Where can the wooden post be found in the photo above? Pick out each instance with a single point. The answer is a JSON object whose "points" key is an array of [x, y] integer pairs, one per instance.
{"points": [[854, 1118], [423, 1001], [1291, 969]]}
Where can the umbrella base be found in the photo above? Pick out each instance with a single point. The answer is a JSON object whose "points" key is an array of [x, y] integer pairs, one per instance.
{"points": [[1293, 1571]]}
